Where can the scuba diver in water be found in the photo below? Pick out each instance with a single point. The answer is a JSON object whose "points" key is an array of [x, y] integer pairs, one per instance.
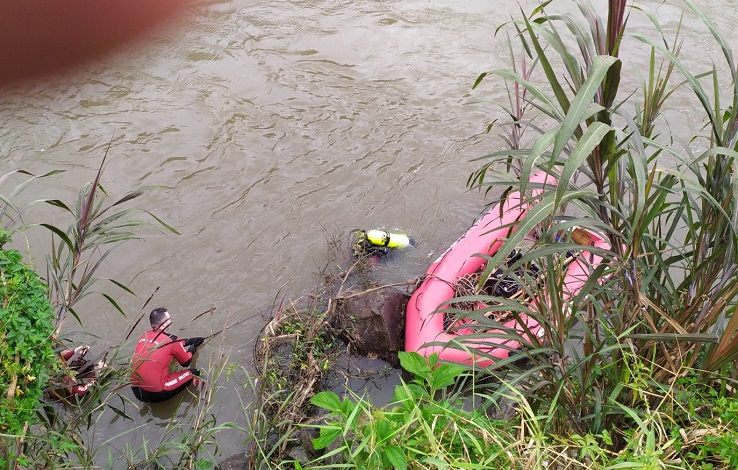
{"points": [[151, 380], [79, 374]]}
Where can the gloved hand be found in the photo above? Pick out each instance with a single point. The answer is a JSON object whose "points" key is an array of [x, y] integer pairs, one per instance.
{"points": [[191, 344], [196, 341]]}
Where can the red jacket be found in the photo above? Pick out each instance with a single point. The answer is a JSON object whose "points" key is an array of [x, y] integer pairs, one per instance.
{"points": [[72, 383], [151, 359]]}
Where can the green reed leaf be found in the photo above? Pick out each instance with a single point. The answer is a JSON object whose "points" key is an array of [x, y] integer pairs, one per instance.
{"points": [[581, 105]]}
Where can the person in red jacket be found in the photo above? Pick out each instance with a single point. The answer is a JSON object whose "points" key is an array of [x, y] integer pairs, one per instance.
{"points": [[79, 374], [151, 380]]}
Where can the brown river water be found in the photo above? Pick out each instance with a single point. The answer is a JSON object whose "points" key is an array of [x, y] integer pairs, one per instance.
{"points": [[266, 126]]}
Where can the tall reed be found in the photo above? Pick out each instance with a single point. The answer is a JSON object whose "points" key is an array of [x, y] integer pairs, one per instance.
{"points": [[666, 294], [78, 251]]}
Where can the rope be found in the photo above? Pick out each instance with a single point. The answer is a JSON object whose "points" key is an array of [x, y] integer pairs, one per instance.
{"points": [[468, 285]]}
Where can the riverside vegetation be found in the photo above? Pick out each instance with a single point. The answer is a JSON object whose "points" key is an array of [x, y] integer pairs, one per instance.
{"points": [[638, 371], [36, 433]]}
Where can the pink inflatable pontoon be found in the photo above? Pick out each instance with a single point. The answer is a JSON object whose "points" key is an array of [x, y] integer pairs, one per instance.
{"points": [[424, 324]]}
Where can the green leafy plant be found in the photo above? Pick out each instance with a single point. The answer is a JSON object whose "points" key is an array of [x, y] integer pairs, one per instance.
{"points": [[425, 425], [26, 348]]}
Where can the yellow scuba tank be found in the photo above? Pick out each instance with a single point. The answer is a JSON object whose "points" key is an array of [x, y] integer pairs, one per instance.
{"points": [[390, 240], [378, 242]]}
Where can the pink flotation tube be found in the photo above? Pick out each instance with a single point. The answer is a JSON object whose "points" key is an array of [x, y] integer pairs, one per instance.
{"points": [[424, 324]]}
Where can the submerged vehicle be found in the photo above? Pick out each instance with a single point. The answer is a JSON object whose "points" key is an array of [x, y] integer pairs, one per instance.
{"points": [[426, 322]]}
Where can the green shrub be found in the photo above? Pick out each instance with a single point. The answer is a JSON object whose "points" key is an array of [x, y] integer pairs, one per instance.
{"points": [[26, 347], [427, 425]]}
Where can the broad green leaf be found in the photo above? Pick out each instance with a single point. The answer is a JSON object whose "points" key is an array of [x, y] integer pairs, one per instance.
{"points": [[327, 400], [396, 457], [407, 394], [383, 430], [445, 375], [541, 144], [328, 434], [414, 363]]}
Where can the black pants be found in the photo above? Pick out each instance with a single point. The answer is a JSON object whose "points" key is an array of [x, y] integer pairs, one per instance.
{"points": [[157, 397]]}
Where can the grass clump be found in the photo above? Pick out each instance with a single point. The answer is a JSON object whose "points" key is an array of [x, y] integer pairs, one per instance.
{"points": [[294, 354]]}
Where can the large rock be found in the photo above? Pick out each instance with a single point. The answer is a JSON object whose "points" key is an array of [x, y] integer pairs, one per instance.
{"points": [[235, 462], [373, 322]]}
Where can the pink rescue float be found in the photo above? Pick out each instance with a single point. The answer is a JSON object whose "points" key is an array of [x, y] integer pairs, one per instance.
{"points": [[425, 324]]}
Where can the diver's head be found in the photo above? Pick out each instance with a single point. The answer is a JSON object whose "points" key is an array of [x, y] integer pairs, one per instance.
{"points": [[160, 319]]}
